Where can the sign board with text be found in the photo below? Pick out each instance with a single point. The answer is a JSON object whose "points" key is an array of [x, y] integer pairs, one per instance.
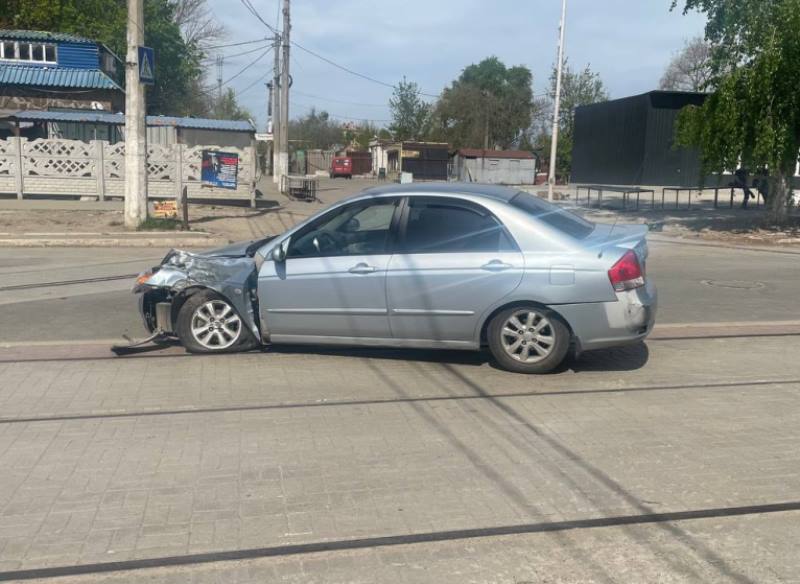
{"points": [[219, 169]]}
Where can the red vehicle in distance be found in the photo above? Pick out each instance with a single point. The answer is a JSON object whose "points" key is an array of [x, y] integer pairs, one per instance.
{"points": [[342, 166]]}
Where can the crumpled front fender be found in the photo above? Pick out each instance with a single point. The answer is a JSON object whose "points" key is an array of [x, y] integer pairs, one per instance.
{"points": [[235, 278]]}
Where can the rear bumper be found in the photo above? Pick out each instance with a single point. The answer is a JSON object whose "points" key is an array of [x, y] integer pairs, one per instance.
{"points": [[600, 325]]}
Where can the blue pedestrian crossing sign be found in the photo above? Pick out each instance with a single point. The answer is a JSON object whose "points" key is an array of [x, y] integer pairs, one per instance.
{"points": [[147, 66]]}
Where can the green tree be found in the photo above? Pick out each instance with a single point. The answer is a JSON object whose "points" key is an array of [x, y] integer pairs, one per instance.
{"points": [[409, 112], [227, 108], [178, 62], [577, 88], [753, 117], [317, 130], [488, 105]]}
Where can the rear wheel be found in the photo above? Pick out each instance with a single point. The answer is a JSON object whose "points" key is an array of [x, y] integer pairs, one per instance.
{"points": [[528, 339], [208, 323]]}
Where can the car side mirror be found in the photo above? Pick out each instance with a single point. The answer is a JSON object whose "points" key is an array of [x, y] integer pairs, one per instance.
{"points": [[280, 250]]}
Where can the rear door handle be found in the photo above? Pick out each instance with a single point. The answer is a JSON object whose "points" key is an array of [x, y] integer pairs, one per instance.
{"points": [[496, 266], [362, 268]]}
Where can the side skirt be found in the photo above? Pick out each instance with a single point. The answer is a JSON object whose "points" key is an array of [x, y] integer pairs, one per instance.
{"points": [[373, 342]]}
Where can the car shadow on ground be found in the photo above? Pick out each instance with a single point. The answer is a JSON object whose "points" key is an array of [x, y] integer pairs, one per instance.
{"points": [[629, 358]]}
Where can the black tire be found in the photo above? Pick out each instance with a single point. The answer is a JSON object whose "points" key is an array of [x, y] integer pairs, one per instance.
{"points": [[554, 327], [244, 340]]}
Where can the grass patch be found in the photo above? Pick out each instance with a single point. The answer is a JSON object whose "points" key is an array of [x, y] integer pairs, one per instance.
{"points": [[159, 224]]}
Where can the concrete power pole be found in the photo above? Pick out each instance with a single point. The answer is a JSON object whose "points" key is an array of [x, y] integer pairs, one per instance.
{"points": [[276, 107], [269, 126], [283, 157], [135, 138], [551, 180]]}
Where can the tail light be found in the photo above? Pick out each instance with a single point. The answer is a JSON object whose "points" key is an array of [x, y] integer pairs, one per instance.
{"points": [[627, 273]]}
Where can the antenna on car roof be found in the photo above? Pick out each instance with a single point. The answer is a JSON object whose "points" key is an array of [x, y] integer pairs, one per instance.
{"points": [[603, 246]]}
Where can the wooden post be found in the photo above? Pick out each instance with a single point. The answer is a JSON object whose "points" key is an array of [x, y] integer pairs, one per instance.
{"points": [[253, 171], [183, 205], [18, 176], [177, 149], [100, 168]]}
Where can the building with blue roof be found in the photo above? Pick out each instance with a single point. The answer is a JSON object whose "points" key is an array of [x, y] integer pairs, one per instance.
{"points": [[53, 71]]}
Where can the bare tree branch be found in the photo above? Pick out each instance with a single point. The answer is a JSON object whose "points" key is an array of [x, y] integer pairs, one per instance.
{"points": [[197, 23], [690, 69]]}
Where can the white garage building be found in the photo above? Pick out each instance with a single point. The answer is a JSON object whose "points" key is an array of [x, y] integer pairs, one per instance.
{"points": [[506, 167]]}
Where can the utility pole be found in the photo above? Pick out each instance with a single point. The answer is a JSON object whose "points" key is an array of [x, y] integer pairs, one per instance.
{"points": [[551, 180], [283, 157], [135, 138], [269, 124], [276, 107]]}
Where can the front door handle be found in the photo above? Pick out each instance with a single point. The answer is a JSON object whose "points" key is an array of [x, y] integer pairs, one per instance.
{"points": [[362, 268], [496, 266]]}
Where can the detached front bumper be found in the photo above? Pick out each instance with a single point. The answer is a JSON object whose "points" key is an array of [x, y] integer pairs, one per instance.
{"points": [[601, 325]]}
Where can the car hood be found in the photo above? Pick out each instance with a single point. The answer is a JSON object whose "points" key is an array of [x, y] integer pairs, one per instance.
{"points": [[240, 249]]}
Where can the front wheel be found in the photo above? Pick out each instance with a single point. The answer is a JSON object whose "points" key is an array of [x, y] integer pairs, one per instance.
{"points": [[208, 323], [528, 339]]}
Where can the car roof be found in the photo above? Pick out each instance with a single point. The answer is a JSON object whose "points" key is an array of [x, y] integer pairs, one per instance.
{"points": [[496, 192]]}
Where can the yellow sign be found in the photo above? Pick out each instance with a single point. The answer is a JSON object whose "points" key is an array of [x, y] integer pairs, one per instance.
{"points": [[165, 209], [410, 154]]}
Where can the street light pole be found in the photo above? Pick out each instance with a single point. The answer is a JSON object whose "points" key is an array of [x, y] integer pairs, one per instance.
{"points": [[551, 180], [135, 139]]}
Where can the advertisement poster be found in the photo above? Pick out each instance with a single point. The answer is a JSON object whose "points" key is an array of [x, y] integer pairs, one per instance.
{"points": [[219, 169]]}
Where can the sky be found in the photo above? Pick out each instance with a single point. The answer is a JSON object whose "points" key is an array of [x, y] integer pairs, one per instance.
{"points": [[628, 42]]}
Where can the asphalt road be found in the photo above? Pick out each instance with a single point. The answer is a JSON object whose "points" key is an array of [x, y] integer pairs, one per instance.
{"points": [[696, 284]]}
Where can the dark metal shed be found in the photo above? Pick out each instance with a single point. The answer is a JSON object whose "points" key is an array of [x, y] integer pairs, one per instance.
{"points": [[630, 141]]}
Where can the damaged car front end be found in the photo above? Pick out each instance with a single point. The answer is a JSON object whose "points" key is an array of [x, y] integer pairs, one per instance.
{"points": [[221, 282]]}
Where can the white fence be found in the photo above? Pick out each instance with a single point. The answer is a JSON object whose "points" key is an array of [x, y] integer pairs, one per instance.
{"points": [[97, 169]]}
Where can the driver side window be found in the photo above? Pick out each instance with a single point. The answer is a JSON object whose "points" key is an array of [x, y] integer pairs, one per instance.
{"points": [[359, 229]]}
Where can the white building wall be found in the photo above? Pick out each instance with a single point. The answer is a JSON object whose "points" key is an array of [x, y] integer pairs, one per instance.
{"points": [[508, 171]]}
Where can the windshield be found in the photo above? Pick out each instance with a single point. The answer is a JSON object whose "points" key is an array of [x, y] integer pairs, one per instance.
{"points": [[554, 216]]}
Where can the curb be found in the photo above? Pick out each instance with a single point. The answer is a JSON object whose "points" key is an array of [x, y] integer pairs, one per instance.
{"points": [[701, 243], [111, 240]]}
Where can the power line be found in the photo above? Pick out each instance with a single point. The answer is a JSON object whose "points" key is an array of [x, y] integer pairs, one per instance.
{"points": [[348, 70], [242, 70], [234, 55], [254, 83], [255, 13], [265, 39], [250, 64], [339, 100]]}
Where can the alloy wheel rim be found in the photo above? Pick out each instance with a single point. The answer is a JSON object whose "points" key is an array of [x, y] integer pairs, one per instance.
{"points": [[528, 336], [215, 325]]}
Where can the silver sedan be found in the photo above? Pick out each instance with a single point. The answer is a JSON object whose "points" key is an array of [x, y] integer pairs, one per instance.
{"points": [[456, 266]]}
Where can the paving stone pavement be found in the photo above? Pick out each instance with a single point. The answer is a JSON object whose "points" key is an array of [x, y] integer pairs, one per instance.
{"points": [[129, 459]]}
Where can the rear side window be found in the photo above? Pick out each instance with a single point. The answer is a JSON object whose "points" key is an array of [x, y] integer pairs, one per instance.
{"points": [[441, 227], [552, 215]]}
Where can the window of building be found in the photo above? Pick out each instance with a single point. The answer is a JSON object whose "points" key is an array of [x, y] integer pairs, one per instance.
{"points": [[30, 52], [8, 50]]}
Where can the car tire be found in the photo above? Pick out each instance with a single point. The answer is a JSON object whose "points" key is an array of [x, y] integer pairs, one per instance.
{"points": [[528, 339], [208, 323]]}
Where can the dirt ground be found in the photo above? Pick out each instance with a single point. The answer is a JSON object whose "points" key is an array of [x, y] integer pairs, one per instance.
{"points": [[276, 213]]}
